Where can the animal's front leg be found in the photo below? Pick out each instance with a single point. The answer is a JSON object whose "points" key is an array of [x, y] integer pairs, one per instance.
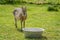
{"points": [[21, 25], [24, 24]]}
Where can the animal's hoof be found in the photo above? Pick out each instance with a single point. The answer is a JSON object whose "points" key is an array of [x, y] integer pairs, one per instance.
{"points": [[16, 26]]}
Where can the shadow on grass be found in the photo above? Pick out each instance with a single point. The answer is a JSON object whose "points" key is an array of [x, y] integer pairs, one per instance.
{"points": [[19, 30], [40, 38]]}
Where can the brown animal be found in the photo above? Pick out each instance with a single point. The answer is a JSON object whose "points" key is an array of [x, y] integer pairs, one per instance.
{"points": [[20, 14]]}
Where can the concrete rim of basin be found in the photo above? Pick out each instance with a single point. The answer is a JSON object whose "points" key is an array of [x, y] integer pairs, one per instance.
{"points": [[33, 29]]}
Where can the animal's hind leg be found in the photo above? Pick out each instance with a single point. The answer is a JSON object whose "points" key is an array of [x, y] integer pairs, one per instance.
{"points": [[15, 22]]}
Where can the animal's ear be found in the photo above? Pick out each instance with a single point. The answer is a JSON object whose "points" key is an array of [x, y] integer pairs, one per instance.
{"points": [[25, 8]]}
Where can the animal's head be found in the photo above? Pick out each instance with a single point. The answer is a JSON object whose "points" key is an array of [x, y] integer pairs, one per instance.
{"points": [[24, 8]]}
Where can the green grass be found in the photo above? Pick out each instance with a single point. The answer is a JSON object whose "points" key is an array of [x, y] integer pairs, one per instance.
{"points": [[38, 17]]}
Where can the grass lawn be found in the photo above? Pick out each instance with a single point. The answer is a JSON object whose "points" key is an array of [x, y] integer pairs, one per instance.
{"points": [[38, 17]]}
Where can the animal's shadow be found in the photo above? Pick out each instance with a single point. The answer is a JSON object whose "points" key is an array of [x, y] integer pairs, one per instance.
{"points": [[19, 30], [35, 38]]}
